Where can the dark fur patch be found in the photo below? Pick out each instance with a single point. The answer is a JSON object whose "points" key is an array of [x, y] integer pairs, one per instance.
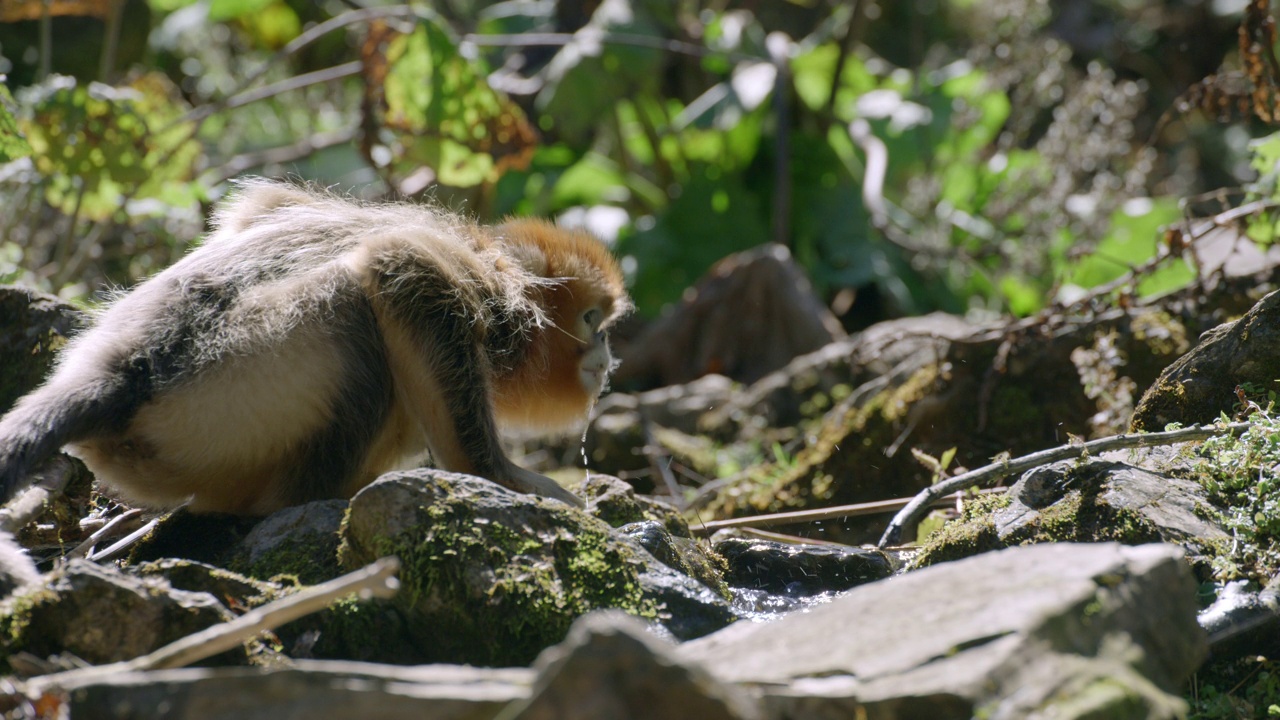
{"points": [[333, 456], [421, 298]]}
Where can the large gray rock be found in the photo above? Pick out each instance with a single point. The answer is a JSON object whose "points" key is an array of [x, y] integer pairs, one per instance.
{"points": [[798, 570], [1053, 630], [1048, 631]]}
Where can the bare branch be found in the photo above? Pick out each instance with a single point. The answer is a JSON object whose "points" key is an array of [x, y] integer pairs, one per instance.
{"points": [[829, 513], [283, 154]]}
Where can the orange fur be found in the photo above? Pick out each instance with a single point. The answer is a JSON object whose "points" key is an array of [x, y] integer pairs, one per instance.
{"points": [[549, 394]]}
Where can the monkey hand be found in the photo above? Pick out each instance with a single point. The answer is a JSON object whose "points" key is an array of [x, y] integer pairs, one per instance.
{"points": [[525, 481]]}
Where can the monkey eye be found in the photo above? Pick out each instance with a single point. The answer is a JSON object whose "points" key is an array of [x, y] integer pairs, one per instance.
{"points": [[592, 318]]}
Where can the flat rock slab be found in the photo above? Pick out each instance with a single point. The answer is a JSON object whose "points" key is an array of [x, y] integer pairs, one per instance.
{"points": [[1001, 634]]}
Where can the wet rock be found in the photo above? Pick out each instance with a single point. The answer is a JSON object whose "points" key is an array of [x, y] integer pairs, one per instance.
{"points": [[610, 666], [102, 615], [685, 555], [1057, 630], [798, 570], [687, 608], [1243, 620]]}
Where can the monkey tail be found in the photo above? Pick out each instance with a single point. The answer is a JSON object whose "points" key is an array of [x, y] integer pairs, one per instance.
{"points": [[48, 418]]}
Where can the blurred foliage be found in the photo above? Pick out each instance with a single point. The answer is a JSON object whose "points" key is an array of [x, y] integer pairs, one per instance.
{"points": [[1024, 156]]}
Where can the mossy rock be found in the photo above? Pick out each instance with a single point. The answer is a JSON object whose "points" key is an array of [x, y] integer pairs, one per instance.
{"points": [[1201, 385], [102, 615], [617, 503], [1080, 501], [490, 577]]}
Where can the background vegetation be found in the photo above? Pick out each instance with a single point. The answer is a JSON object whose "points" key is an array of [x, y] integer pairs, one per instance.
{"points": [[917, 155]]}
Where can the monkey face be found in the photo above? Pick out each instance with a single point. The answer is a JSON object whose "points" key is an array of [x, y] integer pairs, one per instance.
{"points": [[597, 361]]}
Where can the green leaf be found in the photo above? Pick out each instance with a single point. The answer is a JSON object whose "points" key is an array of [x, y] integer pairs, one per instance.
{"points": [[710, 219], [440, 112], [947, 457], [1022, 297], [222, 10], [166, 6], [97, 144], [1134, 238], [12, 143]]}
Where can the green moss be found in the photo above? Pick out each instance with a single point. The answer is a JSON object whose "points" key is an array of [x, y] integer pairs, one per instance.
{"points": [[1085, 517], [1078, 517], [15, 618], [1167, 398], [482, 593], [308, 559], [842, 461], [970, 534]]}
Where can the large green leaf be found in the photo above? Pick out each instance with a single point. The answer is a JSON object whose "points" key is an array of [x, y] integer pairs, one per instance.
{"points": [[435, 107]]}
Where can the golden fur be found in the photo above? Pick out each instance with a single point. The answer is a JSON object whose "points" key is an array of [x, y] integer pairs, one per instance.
{"points": [[313, 343]]}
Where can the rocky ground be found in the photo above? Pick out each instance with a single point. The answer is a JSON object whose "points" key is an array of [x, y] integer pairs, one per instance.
{"points": [[1116, 584]]}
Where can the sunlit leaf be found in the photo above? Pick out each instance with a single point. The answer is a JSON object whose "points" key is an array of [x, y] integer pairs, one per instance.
{"points": [[169, 5], [1134, 238], [587, 78], [12, 144], [432, 107], [99, 144]]}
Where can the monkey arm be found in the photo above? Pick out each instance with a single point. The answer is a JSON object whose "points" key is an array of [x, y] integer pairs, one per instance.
{"points": [[441, 373]]}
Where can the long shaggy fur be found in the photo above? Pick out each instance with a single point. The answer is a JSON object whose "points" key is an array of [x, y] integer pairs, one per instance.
{"points": [[313, 342]]}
